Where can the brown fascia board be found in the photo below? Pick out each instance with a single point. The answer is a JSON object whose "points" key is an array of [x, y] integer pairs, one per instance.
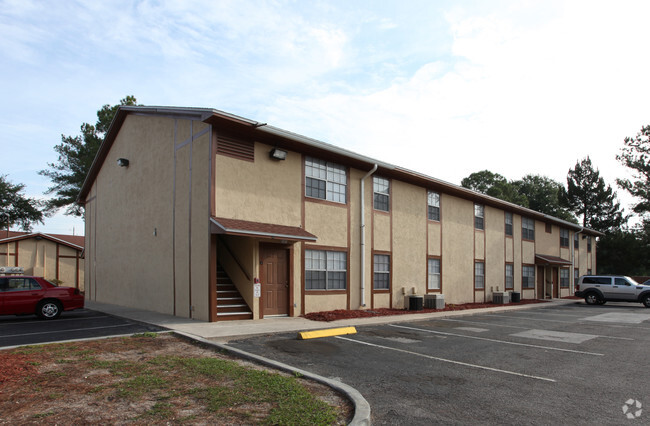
{"points": [[49, 237], [223, 121]]}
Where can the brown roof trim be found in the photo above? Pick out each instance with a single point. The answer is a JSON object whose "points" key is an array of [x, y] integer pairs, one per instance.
{"points": [[543, 259], [72, 241], [226, 226], [293, 141]]}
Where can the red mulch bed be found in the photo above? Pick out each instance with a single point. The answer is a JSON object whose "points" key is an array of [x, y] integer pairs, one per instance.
{"points": [[347, 314], [14, 367]]}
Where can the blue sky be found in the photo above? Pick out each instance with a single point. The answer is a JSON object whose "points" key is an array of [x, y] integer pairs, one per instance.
{"points": [[444, 88]]}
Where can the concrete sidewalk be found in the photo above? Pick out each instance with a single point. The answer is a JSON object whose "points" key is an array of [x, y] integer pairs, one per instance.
{"points": [[226, 330]]}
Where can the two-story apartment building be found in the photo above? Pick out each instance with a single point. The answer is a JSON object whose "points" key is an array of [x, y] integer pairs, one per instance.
{"points": [[203, 214]]}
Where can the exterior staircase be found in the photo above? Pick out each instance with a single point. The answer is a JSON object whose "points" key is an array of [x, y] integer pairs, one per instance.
{"points": [[230, 304]]}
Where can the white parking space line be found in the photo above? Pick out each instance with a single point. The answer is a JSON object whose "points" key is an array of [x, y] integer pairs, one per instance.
{"points": [[474, 329], [505, 342], [619, 317], [527, 318], [451, 361], [521, 328], [66, 331], [58, 320]]}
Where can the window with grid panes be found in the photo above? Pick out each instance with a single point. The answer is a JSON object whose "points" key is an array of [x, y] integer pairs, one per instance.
{"points": [[510, 276], [325, 180], [527, 276], [433, 267], [564, 238], [508, 224], [381, 193], [479, 275], [576, 240], [433, 202], [479, 216], [325, 270], [381, 275], [564, 278], [527, 229]]}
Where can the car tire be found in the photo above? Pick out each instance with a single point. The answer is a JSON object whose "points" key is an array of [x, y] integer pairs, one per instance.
{"points": [[593, 299], [49, 309], [646, 301]]}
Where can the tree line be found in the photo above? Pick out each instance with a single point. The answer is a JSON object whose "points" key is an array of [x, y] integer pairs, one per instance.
{"points": [[585, 199]]}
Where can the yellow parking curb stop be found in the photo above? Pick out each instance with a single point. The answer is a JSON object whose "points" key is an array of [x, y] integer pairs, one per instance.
{"points": [[304, 335]]}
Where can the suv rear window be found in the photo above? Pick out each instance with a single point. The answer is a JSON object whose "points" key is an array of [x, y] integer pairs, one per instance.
{"points": [[597, 280]]}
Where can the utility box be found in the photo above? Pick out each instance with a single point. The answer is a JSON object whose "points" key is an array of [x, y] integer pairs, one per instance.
{"points": [[434, 301], [415, 303], [500, 297], [515, 297]]}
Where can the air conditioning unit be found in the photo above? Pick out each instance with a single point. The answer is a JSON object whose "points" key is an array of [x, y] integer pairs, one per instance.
{"points": [[12, 270], [434, 301], [500, 297]]}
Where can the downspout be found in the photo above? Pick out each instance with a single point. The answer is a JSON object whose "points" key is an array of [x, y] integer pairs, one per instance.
{"points": [[573, 262], [363, 237]]}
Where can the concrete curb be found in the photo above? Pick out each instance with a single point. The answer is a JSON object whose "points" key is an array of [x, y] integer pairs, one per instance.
{"points": [[361, 406]]}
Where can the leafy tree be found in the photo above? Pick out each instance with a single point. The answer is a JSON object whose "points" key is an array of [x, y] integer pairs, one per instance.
{"points": [[15, 208], [76, 154], [545, 195], [591, 200], [494, 185], [635, 155], [623, 252]]}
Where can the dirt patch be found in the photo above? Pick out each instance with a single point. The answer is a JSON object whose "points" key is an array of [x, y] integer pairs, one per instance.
{"points": [[154, 379], [347, 314]]}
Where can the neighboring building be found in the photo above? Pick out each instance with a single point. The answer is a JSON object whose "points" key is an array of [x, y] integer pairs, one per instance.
{"points": [[187, 209], [54, 257]]}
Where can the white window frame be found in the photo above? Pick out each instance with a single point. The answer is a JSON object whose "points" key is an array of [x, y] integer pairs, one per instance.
{"points": [[479, 275], [528, 228], [479, 216], [328, 262], [380, 193], [527, 280], [434, 274], [510, 276], [509, 228], [564, 237], [433, 206], [334, 179], [381, 268]]}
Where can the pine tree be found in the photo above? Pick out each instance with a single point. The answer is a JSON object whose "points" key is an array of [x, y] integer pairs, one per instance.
{"points": [[592, 200], [635, 154]]}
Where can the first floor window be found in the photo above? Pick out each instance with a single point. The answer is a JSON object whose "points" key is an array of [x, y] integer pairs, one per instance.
{"points": [[433, 282], [527, 276], [576, 275], [479, 216], [381, 193], [479, 275], [564, 278], [381, 276], [510, 276], [433, 203], [325, 270]]}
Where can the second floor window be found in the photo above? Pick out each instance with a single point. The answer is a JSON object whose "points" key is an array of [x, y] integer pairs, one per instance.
{"points": [[433, 201], [509, 224], [576, 240], [527, 229], [564, 238], [381, 193], [589, 244], [325, 180], [479, 216]]}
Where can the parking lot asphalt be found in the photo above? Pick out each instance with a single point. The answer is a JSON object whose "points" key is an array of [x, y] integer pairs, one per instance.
{"points": [[73, 325], [571, 363]]}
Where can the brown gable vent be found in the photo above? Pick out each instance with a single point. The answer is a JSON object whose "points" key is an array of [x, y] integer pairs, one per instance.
{"points": [[236, 148]]}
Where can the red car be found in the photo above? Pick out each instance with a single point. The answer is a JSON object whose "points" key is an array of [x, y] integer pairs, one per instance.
{"points": [[35, 295]]}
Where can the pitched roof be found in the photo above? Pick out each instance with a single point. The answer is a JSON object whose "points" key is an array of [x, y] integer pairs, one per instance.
{"points": [[292, 141], [73, 241], [268, 230]]}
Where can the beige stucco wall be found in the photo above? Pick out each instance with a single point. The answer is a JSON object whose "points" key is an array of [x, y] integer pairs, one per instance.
{"points": [[457, 249], [146, 245], [39, 257]]}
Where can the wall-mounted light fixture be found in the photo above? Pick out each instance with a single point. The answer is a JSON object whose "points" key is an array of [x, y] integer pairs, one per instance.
{"points": [[278, 154], [123, 162]]}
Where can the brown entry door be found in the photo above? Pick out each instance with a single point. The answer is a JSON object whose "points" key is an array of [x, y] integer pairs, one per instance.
{"points": [[274, 275]]}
